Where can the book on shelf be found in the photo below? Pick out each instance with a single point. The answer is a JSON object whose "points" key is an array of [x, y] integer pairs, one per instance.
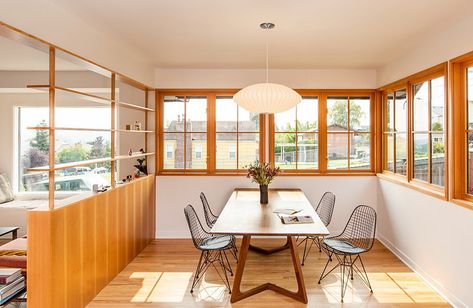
{"points": [[296, 219], [8, 291], [8, 275]]}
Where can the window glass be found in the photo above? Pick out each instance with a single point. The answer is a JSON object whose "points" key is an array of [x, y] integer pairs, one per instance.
{"points": [[360, 152], [469, 82], [307, 151], [438, 159], [196, 141], [360, 114], [337, 113], [401, 153], [226, 151], [390, 112], [390, 152], [285, 121], [421, 107], [400, 110], [173, 114], [470, 163], [237, 135], [196, 114], [337, 151], [285, 151], [248, 149], [175, 142], [438, 104], [307, 115], [421, 157], [70, 146]]}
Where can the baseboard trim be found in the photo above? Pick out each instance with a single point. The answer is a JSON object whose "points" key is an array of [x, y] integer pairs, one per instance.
{"points": [[443, 292]]}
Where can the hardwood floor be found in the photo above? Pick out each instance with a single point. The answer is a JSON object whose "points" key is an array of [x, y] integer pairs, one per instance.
{"points": [[161, 276]]}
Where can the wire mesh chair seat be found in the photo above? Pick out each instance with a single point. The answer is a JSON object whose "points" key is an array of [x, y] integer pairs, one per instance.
{"points": [[216, 242], [342, 246], [357, 238], [211, 219], [212, 247], [325, 211]]}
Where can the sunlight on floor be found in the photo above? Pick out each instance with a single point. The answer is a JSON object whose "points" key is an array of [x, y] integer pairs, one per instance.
{"points": [[398, 288], [163, 287]]}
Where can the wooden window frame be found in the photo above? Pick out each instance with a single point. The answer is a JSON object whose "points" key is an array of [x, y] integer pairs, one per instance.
{"points": [[323, 134], [211, 95], [408, 180], [459, 128]]}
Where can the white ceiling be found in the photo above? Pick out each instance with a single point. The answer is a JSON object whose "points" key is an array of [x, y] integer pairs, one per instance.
{"points": [[15, 56], [309, 34]]}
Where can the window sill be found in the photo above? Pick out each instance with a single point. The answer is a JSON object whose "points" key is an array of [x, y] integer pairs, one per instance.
{"points": [[423, 188], [283, 173], [463, 203]]}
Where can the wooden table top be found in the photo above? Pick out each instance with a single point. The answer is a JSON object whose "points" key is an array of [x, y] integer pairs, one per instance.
{"points": [[244, 215]]}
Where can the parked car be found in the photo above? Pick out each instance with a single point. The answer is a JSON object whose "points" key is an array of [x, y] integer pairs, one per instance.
{"points": [[77, 170], [82, 182], [100, 170]]}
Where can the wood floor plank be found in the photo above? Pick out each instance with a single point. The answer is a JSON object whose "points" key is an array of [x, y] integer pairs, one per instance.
{"points": [[161, 276]]}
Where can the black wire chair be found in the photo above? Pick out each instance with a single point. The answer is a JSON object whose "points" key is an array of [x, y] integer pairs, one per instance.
{"points": [[212, 249], [357, 238], [211, 219], [324, 210]]}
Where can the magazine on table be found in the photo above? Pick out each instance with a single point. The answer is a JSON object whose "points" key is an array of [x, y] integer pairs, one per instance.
{"points": [[296, 219]]}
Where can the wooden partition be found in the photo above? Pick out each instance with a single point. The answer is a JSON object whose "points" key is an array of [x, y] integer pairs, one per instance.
{"points": [[75, 250]]}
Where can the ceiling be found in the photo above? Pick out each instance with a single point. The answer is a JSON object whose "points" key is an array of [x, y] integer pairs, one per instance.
{"points": [[309, 34], [15, 56]]}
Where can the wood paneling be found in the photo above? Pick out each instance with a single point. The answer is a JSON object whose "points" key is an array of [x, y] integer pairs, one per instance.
{"points": [[76, 249]]}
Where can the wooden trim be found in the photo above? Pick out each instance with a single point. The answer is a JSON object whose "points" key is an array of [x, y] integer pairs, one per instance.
{"points": [[112, 127], [436, 70], [52, 134]]}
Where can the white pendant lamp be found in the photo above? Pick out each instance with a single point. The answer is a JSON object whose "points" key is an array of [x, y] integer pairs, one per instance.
{"points": [[267, 97]]}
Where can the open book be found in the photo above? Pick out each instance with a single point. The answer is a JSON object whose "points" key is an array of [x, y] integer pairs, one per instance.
{"points": [[297, 219]]}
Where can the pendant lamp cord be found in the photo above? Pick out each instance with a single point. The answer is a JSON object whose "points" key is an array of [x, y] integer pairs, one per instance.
{"points": [[267, 61]]}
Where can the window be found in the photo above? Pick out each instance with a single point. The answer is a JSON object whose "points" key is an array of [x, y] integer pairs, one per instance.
{"points": [[185, 129], [469, 129], [71, 146], [237, 135], [428, 131], [395, 131], [348, 132], [169, 151], [296, 136], [198, 151], [232, 151]]}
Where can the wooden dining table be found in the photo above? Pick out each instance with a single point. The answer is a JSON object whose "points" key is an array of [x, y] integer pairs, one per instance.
{"points": [[243, 215]]}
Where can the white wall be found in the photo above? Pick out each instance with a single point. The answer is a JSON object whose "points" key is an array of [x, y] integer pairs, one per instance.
{"points": [[175, 192], [433, 48], [51, 23], [432, 236], [299, 79]]}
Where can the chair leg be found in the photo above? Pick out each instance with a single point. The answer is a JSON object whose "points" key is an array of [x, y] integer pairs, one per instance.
{"points": [[222, 264], [323, 275], [228, 263], [198, 271], [363, 275], [345, 270], [306, 251]]}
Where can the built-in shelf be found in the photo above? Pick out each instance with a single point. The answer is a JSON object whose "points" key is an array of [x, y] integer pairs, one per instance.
{"points": [[90, 129], [90, 97], [87, 162]]}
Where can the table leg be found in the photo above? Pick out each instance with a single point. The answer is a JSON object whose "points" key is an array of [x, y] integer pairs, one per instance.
{"points": [[270, 250], [15, 234], [237, 294]]}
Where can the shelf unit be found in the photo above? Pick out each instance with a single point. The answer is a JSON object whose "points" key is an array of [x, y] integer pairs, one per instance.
{"points": [[54, 90], [89, 97], [87, 162]]}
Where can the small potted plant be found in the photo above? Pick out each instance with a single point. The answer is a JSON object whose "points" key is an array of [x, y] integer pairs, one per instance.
{"points": [[263, 174]]}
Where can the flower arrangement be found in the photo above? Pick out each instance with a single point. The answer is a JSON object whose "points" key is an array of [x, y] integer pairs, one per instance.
{"points": [[260, 173]]}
